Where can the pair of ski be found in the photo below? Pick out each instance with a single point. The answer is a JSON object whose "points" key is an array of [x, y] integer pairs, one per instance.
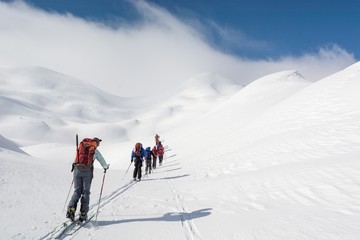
{"points": [[71, 227]]}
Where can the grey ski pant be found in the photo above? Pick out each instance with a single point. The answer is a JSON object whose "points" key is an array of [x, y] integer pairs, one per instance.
{"points": [[82, 184]]}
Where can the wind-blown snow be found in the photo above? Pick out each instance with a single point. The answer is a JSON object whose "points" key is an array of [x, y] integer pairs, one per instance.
{"points": [[276, 159]]}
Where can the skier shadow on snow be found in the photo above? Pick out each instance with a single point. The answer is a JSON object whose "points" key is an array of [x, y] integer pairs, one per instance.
{"points": [[168, 164], [164, 178], [168, 217], [169, 170], [174, 155]]}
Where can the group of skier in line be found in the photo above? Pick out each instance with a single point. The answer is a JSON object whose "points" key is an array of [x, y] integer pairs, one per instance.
{"points": [[87, 152], [139, 153]]}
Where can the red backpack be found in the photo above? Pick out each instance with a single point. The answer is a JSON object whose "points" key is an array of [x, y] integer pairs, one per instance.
{"points": [[154, 150], [160, 150], [86, 151]]}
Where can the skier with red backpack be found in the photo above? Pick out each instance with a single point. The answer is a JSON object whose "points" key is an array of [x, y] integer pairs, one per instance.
{"points": [[160, 152], [83, 169], [137, 156], [154, 150], [157, 139]]}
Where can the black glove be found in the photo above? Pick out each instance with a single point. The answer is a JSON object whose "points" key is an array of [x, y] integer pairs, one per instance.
{"points": [[107, 167], [132, 160], [72, 167]]}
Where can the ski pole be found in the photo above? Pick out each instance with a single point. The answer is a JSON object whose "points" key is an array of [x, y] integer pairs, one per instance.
{"points": [[128, 168], [72, 169], [126, 171], [72, 182], [102, 186]]}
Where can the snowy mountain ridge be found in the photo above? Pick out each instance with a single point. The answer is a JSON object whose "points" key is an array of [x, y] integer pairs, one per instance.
{"points": [[58, 93]]}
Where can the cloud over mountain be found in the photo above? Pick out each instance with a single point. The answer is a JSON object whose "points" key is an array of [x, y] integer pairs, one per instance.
{"points": [[156, 53]]}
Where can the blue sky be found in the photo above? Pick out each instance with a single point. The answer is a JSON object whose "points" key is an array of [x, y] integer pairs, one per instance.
{"points": [[158, 44], [267, 29]]}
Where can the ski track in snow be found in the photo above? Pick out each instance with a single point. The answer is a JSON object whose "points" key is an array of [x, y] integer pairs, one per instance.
{"points": [[92, 211], [190, 229], [121, 200]]}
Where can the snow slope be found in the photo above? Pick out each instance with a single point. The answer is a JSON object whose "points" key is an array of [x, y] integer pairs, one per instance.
{"points": [[277, 159], [51, 102]]}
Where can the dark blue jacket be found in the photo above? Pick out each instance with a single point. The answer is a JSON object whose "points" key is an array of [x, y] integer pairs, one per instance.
{"points": [[142, 152], [149, 153]]}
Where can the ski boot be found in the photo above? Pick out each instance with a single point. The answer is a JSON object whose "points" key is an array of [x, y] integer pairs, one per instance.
{"points": [[82, 217], [70, 214]]}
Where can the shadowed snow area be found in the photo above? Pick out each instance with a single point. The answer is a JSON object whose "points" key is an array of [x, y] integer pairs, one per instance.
{"points": [[9, 145]]}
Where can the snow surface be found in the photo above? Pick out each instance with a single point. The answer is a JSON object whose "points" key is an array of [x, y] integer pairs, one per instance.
{"points": [[276, 159]]}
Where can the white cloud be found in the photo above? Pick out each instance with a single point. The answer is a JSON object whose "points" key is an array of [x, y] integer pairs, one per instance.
{"points": [[155, 54]]}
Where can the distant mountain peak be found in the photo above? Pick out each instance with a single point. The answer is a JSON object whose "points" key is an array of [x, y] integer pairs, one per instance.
{"points": [[295, 75], [212, 83]]}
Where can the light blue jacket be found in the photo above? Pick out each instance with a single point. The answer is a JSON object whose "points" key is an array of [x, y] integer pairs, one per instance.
{"points": [[100, 159]]}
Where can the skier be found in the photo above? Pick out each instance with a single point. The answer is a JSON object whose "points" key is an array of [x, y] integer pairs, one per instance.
{"points": [[137, 156], [154, 150], [160, 152], [157, 139], [148, 155], [83, 174]]}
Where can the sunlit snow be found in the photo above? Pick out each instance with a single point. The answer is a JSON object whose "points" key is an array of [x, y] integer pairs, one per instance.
{"points": [[276, 159]]}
